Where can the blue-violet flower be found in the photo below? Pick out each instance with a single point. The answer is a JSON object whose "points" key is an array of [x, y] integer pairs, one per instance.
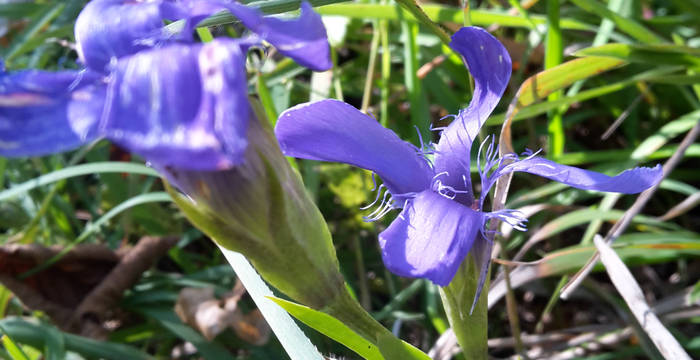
{"points": [[441, 221], [160, 94]]}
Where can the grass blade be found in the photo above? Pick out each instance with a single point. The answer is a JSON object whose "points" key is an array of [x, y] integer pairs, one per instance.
{"points": [[331, 327], [627, 286], [293, 340], [78, 170]]}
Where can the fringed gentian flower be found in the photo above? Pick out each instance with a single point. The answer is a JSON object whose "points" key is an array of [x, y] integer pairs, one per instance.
{"points": [[441, 221], [184, 107], [175, 102]]}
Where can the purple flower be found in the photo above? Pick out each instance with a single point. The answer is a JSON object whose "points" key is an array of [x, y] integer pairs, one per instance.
{"points": [[173, 101], [441, 221]]}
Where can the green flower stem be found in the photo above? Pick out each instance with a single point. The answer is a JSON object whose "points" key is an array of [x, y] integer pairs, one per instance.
{"points": [[457, 297], [421, 16]]}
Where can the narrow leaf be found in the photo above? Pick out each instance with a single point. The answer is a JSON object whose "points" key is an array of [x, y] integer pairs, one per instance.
{"points": [[331, 327]]}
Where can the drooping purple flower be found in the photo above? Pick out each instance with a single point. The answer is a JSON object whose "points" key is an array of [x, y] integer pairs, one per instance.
{"points": [[171, 100], [441, 221]]}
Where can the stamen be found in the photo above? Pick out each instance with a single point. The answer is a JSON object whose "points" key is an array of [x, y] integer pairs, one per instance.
{"points": [[379, 193], [374, 181], [446, 190], [512, 217]]}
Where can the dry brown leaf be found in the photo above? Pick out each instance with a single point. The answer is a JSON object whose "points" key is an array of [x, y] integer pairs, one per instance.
{"points": [[199, 308]]}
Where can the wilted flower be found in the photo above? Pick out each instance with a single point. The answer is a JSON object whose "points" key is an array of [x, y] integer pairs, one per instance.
{"points": [[441, 220], [175, 102]]}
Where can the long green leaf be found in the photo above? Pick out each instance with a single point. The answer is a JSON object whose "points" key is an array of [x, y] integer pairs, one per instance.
{"points": [[442, 13], [633, 249], [331, 327], [537, 87], [78, 170], [293, 340], [655, 54], [36, 336], [93, 227], [627, 25]]}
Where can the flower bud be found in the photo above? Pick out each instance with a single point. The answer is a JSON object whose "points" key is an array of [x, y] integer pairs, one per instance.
{"points": [[261, 209]]}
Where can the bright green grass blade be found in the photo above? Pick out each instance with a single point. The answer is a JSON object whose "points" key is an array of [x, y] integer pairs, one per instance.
{"points": [[294, 341], [416, 96], [266, 99], [442, 13], [666, 133], [36, 336], [544, 83], [656, 54], [393, 348], [554, 54], [654, 75], [540, 85], [78, 170], [13, 349], [331, 327], [629, 26]]}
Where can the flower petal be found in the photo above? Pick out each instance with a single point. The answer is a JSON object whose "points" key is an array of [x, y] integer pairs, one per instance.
{"points": [[302, 39], [331, 130], [430, 238], [43, 113], [108, 29], [630, 181], [490, 66], [182, 105]]}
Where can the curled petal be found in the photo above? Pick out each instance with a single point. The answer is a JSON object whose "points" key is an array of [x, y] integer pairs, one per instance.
{"points": [[302, 39], [182, 105], [43, 113], [430, 238], [331, 130], [630, 181], [110, 29], [490, 66]]}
